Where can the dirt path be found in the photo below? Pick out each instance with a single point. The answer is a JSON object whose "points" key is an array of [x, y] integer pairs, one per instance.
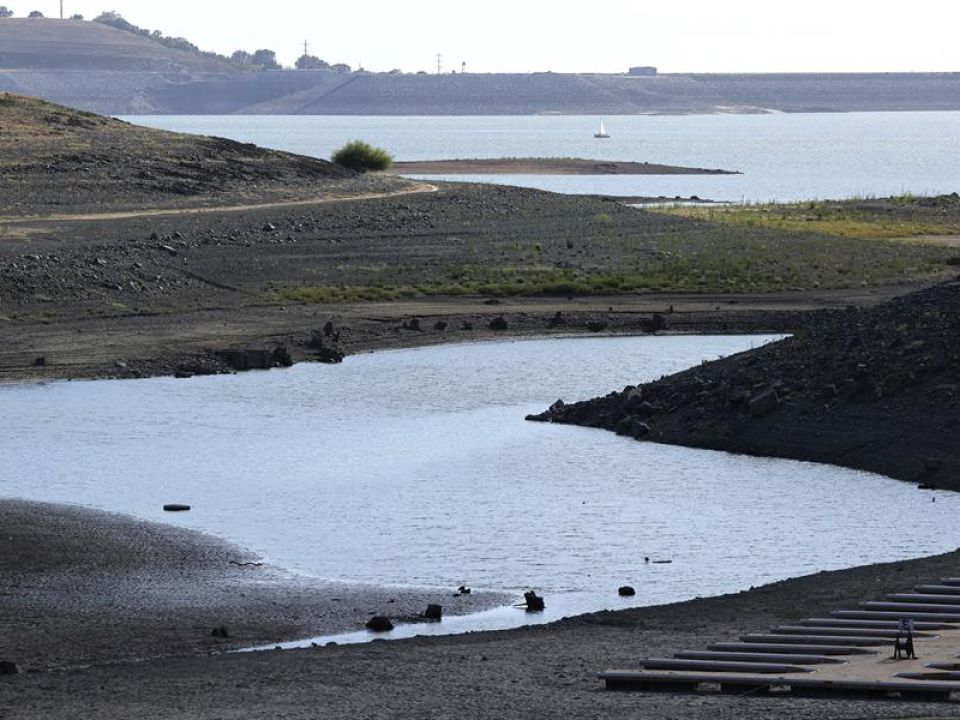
{"points": [[418, 189]]}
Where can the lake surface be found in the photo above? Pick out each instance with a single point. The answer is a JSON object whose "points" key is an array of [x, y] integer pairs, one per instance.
{"points": [[783, 157], [416, 468]]}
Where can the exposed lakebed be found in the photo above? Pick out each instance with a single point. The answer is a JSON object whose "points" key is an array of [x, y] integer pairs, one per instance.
{"points": [[416, 468]]}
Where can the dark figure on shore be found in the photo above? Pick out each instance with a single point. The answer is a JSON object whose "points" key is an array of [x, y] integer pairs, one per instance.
{"points": [[903, 644]]}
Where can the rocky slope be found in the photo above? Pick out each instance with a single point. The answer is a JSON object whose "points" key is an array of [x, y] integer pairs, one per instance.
{"points": [[876, 389], [57, 160]]}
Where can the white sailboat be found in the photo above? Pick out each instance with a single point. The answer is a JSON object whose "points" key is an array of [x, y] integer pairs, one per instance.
{"points": [[601, 133]]}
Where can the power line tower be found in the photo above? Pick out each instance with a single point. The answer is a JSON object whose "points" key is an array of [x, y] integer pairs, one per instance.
{"points": [[439, 63]]}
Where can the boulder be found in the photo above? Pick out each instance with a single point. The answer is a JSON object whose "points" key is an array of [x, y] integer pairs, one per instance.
{"points": [[440, 325], [434, 612], [596, 325], [626, 591], [499, 323], [379, 623], [635, 405], [220, 632], [8, 668], [763, 403], [656, 323], [253, 359], [632, 426], [281, 356]]}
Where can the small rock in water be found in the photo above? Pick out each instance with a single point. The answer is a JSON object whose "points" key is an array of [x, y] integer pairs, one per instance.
{"points": [[379, 623], [534, 602], [434, 612], [220, 632], [176, 507], [626, 591]]}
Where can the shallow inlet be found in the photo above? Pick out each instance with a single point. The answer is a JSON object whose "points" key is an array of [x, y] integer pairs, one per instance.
{"points": [[416, 468]]}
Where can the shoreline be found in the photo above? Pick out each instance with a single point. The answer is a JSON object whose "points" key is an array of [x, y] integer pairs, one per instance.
{"points": [[545, 166], [170, 588], [192, 343], [522, 672]]}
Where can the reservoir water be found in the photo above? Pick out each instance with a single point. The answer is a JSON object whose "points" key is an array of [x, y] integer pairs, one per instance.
{"points": [[783, 157], [416, 468]]}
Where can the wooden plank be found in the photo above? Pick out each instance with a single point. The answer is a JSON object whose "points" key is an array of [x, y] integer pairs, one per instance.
{"points": [[640, 679], [910, 607], [836, 650], [880, 624], [939, 589], [844, 631], [890, 615], [925, 598], [817, 639], [764, 668], [749, 657]]}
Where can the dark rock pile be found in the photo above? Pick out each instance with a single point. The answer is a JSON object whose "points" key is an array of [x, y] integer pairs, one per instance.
{"points": [[877, 389]]}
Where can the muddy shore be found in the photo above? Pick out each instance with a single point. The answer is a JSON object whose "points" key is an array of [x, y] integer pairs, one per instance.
{"points": [[174, 586], [168, 589]]}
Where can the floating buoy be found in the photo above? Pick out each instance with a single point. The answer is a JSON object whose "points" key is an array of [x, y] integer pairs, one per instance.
{"points": [[176, 507]]}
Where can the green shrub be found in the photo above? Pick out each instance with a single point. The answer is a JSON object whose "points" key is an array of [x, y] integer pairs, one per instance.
{"points": [[361, 156]]}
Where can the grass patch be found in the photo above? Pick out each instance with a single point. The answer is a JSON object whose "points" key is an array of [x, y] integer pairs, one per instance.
{"points": [[892, 218]]}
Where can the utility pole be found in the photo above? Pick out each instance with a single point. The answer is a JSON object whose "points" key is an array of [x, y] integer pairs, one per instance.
{"points": [[439, 63], [306, 48], [61, 9]]}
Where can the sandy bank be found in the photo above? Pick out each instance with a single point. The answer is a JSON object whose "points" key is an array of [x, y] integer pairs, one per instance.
{"points": [[79, 586], [545, 166]]}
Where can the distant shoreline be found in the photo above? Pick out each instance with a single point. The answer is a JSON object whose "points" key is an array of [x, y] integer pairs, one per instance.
{"points": [[546, 166]]}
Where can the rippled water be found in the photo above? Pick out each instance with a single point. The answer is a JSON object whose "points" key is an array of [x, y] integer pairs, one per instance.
{"points": [[415, 467], [783, 156]]}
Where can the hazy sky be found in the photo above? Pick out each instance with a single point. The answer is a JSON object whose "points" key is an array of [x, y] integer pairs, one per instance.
{"points": [[602, 36]]}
